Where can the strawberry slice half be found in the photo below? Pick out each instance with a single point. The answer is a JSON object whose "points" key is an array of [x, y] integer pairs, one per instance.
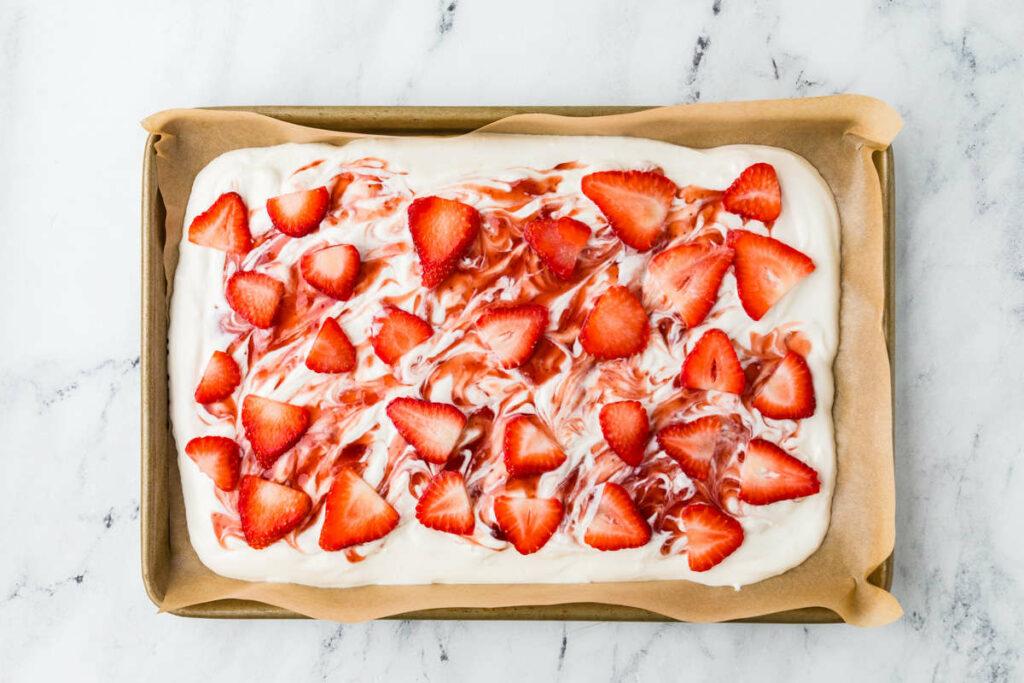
{"points": [[755, 194], [272, 427], [395, 332], [528, 523], [626, 429], [331, 351], [297, 214], [528, 448], [217, 458], [711, 536], [788, 393], [558, 243], [712, 364], [445, 505], [617, 524], [432, 429], [616, 327], [512, 333], [769, 474], [442, 231], [254, 296], [219, 380], [689, 276], [636, 203], [224, 226], [693, 444], [331, 270], [766, 269], [269, 510], [354, 513]]}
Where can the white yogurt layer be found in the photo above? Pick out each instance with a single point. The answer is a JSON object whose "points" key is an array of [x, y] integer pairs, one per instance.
{"points": [[777, 536]]}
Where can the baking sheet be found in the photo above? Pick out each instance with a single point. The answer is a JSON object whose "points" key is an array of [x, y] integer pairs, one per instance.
{"points": [[844, 129]]}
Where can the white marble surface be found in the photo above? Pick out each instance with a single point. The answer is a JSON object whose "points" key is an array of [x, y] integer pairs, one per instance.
{"points": [[75, 77]]}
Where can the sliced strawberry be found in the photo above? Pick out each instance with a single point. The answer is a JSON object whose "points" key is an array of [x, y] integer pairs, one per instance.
{"points": [[445, 505], [636, 203], [217, 458], [711, 536], [332, 270], [788, 394], [712, 364], [766, 269], [354, 513], [220, 378], [617, 326], [272, 427], [626, 429], [528, 523], [331, 351], [692, 444], [617, 524], [528, 448], [769, 474], [299, 213], [558, 243], [755, 194], [689, 276], [442, 231], [512, 332], [224, 226], [433, 429], [255, 296], [269, 510], [394, 333]]}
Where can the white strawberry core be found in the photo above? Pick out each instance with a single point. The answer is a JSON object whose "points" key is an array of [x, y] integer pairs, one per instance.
{"points": [[293, 203]]}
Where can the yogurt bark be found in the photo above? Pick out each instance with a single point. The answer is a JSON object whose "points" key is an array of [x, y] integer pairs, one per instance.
{"points": [[529, 327]]}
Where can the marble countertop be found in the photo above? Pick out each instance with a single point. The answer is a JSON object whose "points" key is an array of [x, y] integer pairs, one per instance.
{"points": [[76, 78]]}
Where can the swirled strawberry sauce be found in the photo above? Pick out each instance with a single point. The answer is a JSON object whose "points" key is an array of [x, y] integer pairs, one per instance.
{"points": [[371, 185]]}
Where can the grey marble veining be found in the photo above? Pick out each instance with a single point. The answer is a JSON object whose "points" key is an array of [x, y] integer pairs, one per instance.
{"points": [[76, 77]]}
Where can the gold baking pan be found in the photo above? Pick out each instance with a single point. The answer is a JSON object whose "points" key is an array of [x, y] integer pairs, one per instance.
{"points": [[157, 443]]}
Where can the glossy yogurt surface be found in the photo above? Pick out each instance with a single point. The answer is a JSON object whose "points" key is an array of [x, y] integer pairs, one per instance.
{"points": [[510, 180]]}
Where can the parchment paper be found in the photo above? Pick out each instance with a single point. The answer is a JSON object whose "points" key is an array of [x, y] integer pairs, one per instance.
{"points": [[837, 135]]}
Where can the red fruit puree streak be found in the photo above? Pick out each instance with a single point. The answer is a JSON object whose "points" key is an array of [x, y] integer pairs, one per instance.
{"points": [[363, 194]]}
